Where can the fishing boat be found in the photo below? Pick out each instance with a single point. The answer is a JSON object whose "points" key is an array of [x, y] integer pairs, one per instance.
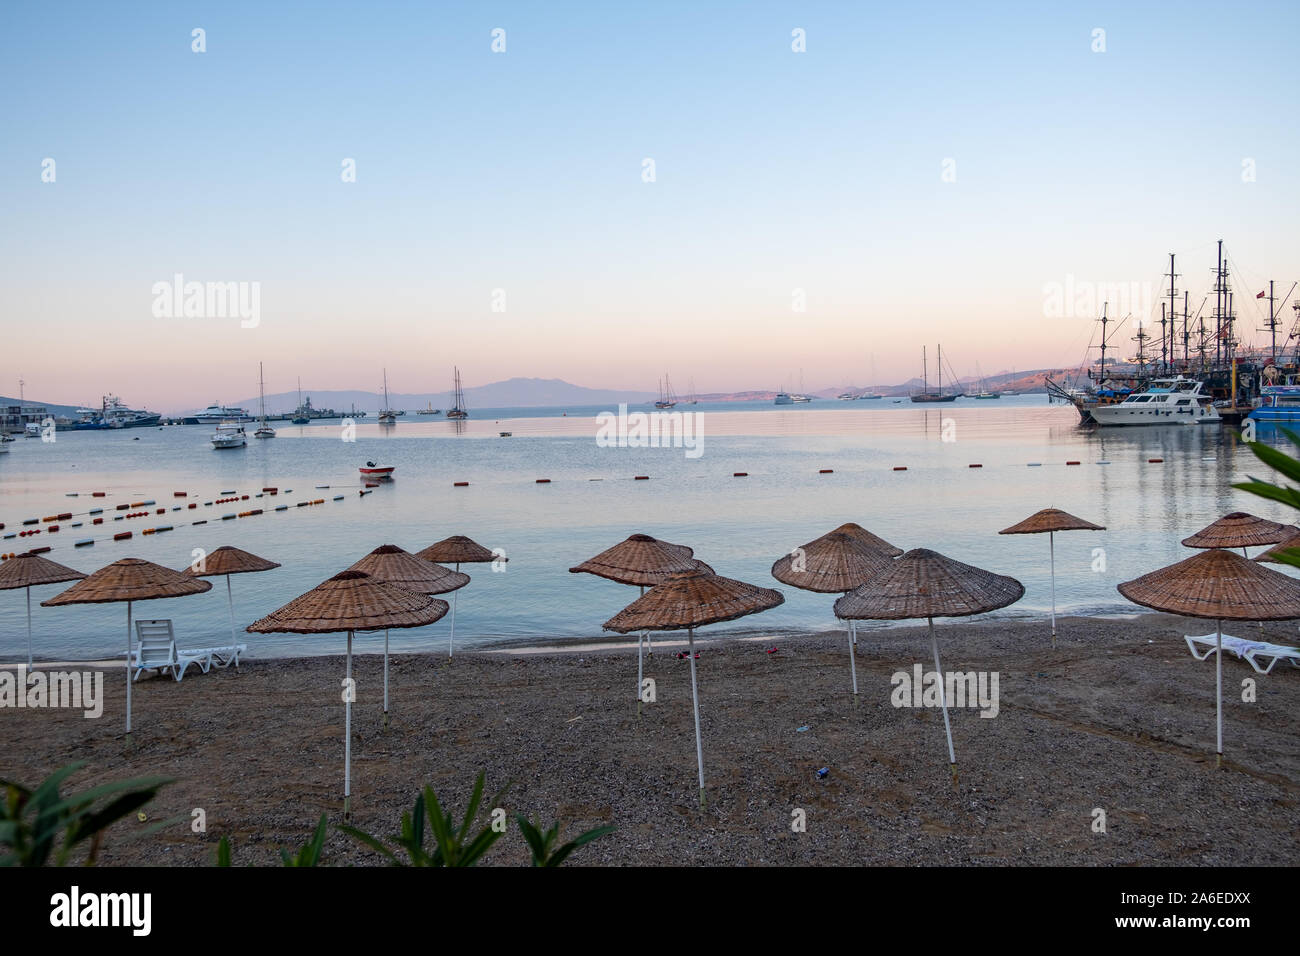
{"points": [[1166, 401], [301, 415], [458, 409], [666, 397], [430, 410], [387, 415], [925, 395], [263, 430], [229, 435], [217, 413], [373, 472]]}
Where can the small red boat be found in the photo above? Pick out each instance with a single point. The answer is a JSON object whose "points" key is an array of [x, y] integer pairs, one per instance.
{"points": [[373, 472]]}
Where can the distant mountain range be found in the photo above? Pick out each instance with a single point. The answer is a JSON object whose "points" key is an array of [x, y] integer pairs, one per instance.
{"points": [[553, 392]]}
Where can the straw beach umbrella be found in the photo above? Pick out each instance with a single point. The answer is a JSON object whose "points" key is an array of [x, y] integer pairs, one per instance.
{"points": [[924, 583], [457, 550], [390, 564], [350, 601], [29, 571], [1220, 585], [643, 561], [129, 580], [871, 541], [838, 561], [225, 561], [1052, 520], [1286, 544], [1239, 530], [692, 599]]}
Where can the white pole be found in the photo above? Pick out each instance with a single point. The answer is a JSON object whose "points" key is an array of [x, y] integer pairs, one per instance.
{"points": [[640, 640], [452, 639], [1218, 691], [1051, 546], [695, 700], [29, 628], [650, 641], [347, 737], [128, 671], [853, 666], [231, 598], [385, 677], [943, 700]]}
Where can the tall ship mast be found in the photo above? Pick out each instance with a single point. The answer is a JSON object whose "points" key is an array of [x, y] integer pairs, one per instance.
{"points": [[925, 395], [666, 397], [263, 430]]}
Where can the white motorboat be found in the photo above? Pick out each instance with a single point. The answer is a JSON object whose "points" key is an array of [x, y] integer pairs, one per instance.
{"points": [[229, 435], [1167, 401]]}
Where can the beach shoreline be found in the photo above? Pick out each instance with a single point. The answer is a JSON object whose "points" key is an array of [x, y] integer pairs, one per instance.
{"points": [[1118, 718]]}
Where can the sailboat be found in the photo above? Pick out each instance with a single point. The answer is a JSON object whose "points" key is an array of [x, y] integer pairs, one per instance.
{"points": [[387, 416], [458, 409], [925, 395], [300, 416], [666, 397], [263, 430], [692, 399], [984, 392]]}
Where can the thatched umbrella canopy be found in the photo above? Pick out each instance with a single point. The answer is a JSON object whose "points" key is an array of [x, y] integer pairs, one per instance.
{"points": [[1218, 584], [1050, 521], [643, 561], [129, 580], [924, 583], [225, 561], [872, 541], [692, 599], [838, 561], [351, 601], [1239, 530], [457, 550], [390, 564], [1286, 544], [29, 571]]}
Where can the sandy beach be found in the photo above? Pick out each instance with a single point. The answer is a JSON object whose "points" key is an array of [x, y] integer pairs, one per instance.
{"points": [[1118, 717]]}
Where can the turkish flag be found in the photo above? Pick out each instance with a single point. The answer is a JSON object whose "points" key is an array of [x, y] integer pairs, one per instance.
{"points": [[1260, 296]]}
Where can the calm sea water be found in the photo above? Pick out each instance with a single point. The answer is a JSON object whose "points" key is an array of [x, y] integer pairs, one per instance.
{"points": [[738, 525]]}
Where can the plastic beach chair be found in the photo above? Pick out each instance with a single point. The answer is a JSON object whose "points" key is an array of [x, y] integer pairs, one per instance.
{"points": [[1274, 653], [156, 651], [1238, 645]]}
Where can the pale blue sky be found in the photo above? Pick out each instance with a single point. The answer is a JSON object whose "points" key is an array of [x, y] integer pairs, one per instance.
{"points": [[522, 171]]}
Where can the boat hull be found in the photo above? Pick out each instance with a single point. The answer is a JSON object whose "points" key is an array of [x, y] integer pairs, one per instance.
{"points": [[377, 474]]}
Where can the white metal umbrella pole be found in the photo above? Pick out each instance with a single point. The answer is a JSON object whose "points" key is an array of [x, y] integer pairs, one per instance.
{"points": [[231, 599], [1051, 550], [128, 672], [649, 638], [695, 700], [29, 628], [853, 665], [347, 736], [452, 639], [943, 701], [385, 678], [640, 639], [1218, 691]]}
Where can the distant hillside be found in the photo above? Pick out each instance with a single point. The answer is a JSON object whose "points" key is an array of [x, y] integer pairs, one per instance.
{"points": [[511, 393]]}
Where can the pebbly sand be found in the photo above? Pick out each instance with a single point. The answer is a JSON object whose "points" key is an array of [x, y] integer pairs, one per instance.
{"points": [[1118, 717]]}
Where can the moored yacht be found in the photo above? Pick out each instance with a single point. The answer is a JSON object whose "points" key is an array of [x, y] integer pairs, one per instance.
{"points": [[1167, 401], [216, 414], [229, 435]]}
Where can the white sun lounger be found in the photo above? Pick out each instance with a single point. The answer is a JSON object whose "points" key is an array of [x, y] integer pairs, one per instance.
{"points": [[156, 650], [1277, 652], [1238, 645]]}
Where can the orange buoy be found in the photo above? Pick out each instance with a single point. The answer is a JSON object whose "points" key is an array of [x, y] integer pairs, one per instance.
{"points": [[641, 478], [740, 474], [900, 468], [1154, 461], [826, 471], [121, 535], [974, 466], [460, 484], [1071, 462], [542, 481]]}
